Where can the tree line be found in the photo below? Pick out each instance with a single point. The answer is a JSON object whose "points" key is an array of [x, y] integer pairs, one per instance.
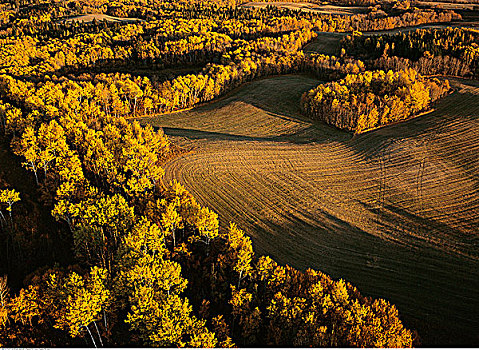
{"points": [[125, 95]]}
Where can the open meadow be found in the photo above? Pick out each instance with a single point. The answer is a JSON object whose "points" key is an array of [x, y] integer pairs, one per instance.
{"points": [[395, 211]]}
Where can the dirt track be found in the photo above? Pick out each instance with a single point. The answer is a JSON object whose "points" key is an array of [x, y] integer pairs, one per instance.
{"points": [[395, 211]]}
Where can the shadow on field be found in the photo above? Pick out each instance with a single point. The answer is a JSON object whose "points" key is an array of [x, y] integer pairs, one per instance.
{"points": [[433, 291], [263, 110], [441, 148], [402, 225], [279, 95], [304, 136], [449, 134]]}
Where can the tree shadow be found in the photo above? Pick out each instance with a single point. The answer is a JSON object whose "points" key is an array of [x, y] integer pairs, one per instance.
{"points": [[399, 222], [265, 95], [307, 135], [433, 291], [39, 239]]}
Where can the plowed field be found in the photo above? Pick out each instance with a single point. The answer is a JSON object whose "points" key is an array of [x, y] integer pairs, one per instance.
{"points": [[395, 211]]}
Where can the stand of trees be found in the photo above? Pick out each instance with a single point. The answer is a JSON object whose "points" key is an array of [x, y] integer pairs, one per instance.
{"points": [[360, 102], [373, 22], [449, 51], [427, 65], [124, 95]]}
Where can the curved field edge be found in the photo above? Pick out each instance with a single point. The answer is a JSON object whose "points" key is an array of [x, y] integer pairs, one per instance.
{"points": [[394, 211]]}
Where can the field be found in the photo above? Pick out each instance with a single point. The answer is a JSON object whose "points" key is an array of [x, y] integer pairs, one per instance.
{"points": [[395, 211], [326, 43], [448, 5], [309, 7], [100, 17]]}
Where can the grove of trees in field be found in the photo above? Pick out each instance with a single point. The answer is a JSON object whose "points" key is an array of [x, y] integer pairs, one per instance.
{"points": [[364, 101], [149, 265]]}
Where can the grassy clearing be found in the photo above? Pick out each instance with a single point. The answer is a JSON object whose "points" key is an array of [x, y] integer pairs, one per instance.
{"points": [[326, 43], [394, 211]]}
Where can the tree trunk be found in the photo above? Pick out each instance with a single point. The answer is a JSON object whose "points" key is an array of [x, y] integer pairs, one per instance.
{"points": [[10, 214], [104, 320], [35, 172], [3, 217], [239, 279], [91, 335], [97, 332]]}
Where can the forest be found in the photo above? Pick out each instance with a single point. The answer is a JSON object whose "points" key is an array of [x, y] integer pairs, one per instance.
{"points": [[96, 250], [448, 51]]}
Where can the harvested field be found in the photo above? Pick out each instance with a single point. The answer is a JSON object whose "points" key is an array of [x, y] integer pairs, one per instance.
{"points": [[309, 7], [100, 17], [395, 211]]}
